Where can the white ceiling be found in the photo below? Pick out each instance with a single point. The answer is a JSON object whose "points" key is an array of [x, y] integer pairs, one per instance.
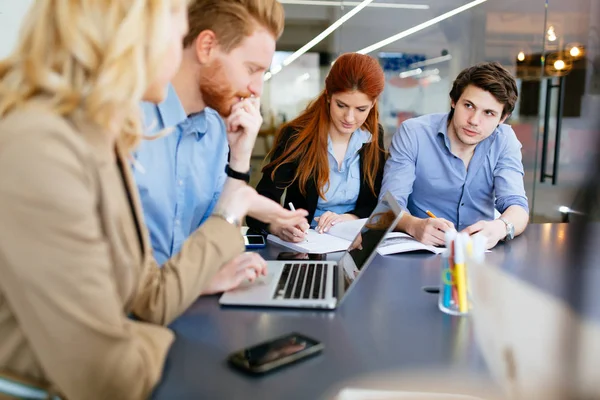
{"points": [[498, 28]]}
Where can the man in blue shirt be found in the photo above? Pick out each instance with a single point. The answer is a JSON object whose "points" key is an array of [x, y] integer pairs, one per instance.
{"points": [[179, 182], [462, 166], [181, 171]]}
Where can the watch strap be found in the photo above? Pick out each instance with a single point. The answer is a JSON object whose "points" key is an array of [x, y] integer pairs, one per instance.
{"points": [[510, 230], [242, 176]]}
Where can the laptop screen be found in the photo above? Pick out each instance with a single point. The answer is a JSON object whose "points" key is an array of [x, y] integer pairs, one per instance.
{"points": [[383, 219]]}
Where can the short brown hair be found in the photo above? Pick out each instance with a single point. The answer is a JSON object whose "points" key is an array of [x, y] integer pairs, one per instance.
{"points": [[491, 77], [232, 20]]}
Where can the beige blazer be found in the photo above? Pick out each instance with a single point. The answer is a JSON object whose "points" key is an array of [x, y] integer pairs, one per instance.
{"points": [[75, 262]]}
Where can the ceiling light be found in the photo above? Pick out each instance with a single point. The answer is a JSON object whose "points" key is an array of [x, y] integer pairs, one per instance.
{"points": [[575, 51], [267, 76], [354, 3], [559, 65], [433, 79], [303, 77], [412, 72], [521, 56], [419, 27], [326, 32], [551, 33], [431, 61], [276, 69]]}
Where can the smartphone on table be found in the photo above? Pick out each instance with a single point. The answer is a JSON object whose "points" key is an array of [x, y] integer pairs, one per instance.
{"points": [[254, 241], [275, 353]]}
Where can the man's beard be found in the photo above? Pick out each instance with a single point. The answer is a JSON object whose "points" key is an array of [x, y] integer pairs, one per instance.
{"points": [[216, 90]]}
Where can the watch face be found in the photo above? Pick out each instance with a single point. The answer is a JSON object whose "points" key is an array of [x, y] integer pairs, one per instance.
{"points": [[510, 231]]}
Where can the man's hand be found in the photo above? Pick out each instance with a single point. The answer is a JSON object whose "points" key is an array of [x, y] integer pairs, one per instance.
{"points": [[430, 231], [328, 219], [245, 266], [242, 127], [494, 231]]}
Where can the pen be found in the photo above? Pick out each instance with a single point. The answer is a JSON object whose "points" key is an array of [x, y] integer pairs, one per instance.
{"points": [[448, 287], [459, 263], [294, 209], [432, 215]]}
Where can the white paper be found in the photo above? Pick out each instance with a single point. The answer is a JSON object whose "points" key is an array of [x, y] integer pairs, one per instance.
{"points": [[398, 242], [347, 230], [338, 238], [314, 243]]}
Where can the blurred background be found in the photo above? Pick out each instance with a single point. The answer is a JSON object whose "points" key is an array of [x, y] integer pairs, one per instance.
{"points": [[551, 46]]}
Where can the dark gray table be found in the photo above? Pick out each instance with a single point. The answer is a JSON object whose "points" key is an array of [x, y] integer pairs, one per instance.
{"points": [[386, 323]]}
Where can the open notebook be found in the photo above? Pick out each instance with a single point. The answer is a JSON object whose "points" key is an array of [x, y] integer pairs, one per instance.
{"points": [[398, 242], [340, 237]]}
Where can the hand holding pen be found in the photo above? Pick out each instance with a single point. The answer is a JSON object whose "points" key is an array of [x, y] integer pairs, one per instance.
{"points": [[291, 233], [430, 231]]}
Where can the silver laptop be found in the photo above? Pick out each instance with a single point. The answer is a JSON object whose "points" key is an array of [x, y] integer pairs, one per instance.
{"points": [[319, 284]]}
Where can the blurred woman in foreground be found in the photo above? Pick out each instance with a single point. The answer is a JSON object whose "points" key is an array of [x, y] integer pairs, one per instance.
{"points": [[75, 260]]}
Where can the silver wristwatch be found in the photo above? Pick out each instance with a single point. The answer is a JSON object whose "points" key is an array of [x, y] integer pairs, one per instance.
{"points": [[232, 219], [510, 229]]}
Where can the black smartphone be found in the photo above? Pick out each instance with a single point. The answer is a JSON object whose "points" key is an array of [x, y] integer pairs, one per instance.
{"points": [[254, 241], [292, 255], [275, 353]]}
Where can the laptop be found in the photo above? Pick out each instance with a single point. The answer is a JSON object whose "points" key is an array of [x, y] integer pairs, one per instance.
{"points": [[319, 284]]}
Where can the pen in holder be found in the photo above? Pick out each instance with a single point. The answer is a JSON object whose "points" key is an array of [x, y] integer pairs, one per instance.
{"points": [[454, 296]]}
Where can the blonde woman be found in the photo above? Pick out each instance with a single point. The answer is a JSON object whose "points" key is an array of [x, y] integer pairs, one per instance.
{"points": [[75, 260]]}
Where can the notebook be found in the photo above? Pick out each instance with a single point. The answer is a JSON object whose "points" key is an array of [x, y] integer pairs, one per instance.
{"points": [[398, 242], [339, 238]]}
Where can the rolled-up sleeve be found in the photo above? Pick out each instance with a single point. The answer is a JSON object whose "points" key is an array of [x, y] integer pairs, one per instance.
{"points": [[399, 173], [509, 186]]}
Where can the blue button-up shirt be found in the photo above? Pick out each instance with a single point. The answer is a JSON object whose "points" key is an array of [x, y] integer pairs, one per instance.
{"points": [[179, 176], [423, 174], [344, 182]]}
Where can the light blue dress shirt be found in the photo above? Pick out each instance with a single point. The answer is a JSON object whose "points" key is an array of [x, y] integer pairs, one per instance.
{"points": [[423, 174], [344, 182], [181, 174]]}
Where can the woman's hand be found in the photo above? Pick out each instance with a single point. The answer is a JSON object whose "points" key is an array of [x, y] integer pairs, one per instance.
{"points": [[290, 232], [328, 219], [245, 266]]}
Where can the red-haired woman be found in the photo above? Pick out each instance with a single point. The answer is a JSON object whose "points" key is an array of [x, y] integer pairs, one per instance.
{"points": [[331, 157]]}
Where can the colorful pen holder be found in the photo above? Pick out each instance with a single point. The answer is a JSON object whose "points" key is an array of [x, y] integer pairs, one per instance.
{"points": [[449, 301]]}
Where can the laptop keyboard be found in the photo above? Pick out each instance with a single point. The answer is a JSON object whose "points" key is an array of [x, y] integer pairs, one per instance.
{"points": [[302, 281]]}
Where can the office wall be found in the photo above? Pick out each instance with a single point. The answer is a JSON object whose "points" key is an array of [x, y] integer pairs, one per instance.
{"points": [[11, 15]]}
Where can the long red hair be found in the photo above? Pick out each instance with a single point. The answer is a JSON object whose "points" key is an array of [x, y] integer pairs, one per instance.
{"points": [[351, 72]]}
